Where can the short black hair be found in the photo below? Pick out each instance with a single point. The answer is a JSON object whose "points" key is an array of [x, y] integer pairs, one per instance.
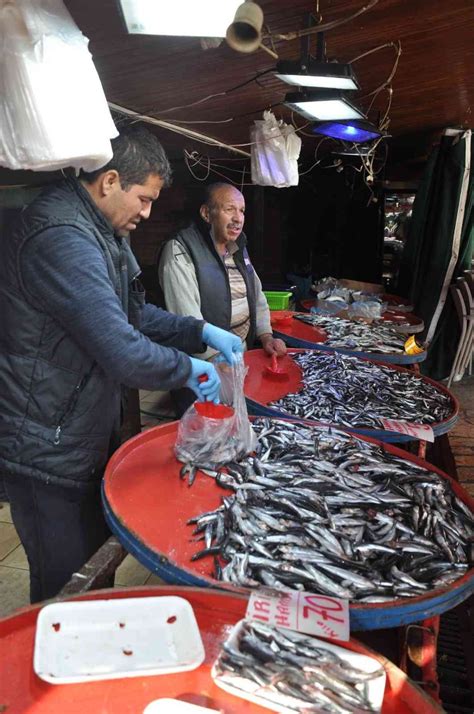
{"points": [[137, 154]]}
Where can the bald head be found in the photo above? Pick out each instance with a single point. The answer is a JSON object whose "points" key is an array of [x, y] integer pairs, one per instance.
{"points": [[224, 210]]}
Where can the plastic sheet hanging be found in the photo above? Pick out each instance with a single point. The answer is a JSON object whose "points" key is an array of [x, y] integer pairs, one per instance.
{"points": [[274, 153], [53, 111], [205, 441]]}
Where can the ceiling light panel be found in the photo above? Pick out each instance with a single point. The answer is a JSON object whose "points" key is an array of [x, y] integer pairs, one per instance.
{"points": [[327, 75], [307, 80], [323, 105], [185, 18]]}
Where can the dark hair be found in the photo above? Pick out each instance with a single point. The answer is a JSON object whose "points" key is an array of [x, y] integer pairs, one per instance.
{"points": [[137, 154], [210, 190]]}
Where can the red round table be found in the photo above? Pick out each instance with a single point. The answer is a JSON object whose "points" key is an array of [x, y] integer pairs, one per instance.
{"points": [[22, 692]]}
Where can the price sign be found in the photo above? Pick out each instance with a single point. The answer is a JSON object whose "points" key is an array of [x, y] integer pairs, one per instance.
{"points": [[418, 431], [310, 613]]}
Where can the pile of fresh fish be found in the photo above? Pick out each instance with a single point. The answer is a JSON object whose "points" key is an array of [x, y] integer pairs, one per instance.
{"points": [[359, 336], [346, 390], [319, 510], [294, 671]]}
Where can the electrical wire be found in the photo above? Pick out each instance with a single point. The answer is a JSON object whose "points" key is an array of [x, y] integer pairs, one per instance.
{"points": [[327, 26], [371, 52], [187, 157], [299, 129], [189, 133], [317, 161], [199, 160], [398, 47], [204, 121], [303, 173], [257, 76]]}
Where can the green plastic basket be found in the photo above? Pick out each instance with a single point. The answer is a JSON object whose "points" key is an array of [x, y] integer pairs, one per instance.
{"points": [[277, 300]]}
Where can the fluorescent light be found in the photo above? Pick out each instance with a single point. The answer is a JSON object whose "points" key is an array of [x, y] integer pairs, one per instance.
{"points": [[324, 105], [328, 75], [317, 81], [186, 18], [356, 131]]}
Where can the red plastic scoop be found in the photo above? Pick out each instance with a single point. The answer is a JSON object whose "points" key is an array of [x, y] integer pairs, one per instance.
{"points": [[274, 371], [211, 410]]}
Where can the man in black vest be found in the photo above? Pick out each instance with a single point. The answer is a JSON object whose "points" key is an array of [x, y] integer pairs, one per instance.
{"points": [[74, 329], [205, 271]]}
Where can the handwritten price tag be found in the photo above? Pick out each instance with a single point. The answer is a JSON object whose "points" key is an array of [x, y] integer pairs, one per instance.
{"points": [[312, 614], [418, 431]]}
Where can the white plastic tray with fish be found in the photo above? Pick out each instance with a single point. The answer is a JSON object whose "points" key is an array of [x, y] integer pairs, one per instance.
{"points": [[246, 689], [107, 639]]}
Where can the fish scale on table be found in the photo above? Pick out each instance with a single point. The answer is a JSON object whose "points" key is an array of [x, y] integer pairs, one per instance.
{"points": [[356, 393], [317, 509], [351, 335]]}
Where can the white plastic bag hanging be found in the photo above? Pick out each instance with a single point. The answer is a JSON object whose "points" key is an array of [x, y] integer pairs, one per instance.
{"points": [[53, 111], [274, 153]]}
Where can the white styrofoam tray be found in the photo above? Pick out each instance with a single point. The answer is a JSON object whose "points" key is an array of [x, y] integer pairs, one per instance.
{"points": [[176, 706], [250, 690], [88, 640]]}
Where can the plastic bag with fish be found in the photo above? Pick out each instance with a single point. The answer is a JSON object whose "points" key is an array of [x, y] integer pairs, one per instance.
{"points": [[204, 440]]}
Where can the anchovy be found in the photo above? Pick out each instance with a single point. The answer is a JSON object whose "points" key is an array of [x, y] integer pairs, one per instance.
{"points": [[351, 335], [342, 517], [311, 677], [352, 392]]}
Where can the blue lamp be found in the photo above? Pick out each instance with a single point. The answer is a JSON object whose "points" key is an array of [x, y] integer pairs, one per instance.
{"points": [[355, 131]]}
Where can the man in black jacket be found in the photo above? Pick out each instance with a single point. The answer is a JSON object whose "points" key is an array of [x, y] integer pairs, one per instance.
{"points": [[74, 329]]}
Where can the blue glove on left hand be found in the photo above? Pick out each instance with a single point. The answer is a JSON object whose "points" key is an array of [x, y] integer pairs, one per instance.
{"points": [[229, 345], [204, 381]]}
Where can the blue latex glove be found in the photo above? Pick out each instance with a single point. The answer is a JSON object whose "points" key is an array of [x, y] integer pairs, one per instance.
{"points": [[207, 391], [229, 345]]}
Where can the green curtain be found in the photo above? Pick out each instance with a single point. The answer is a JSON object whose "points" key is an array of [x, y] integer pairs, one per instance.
{"points": [[442, 215]]}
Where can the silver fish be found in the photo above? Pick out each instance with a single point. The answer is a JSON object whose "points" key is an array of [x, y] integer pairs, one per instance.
{"points": [[359, 336], [310, 677], [366, 393], [308, 527]]}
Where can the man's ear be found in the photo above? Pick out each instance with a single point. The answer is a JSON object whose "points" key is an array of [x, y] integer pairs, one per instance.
{"points": [[204, 213], [109, 181]]}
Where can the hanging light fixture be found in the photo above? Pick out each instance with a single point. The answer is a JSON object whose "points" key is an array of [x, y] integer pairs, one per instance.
{"points": [[312, 73], [322, 105], [355, 131]]}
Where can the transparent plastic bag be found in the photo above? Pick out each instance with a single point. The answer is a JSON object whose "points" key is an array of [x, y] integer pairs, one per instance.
{"points": [[325, 286], [369, 310], [359, 296], [274, 153], [205, 441], [53, 111], [329, 307]]}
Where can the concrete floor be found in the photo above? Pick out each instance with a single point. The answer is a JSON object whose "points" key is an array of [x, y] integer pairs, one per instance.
{"points": [[14, 580]]}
